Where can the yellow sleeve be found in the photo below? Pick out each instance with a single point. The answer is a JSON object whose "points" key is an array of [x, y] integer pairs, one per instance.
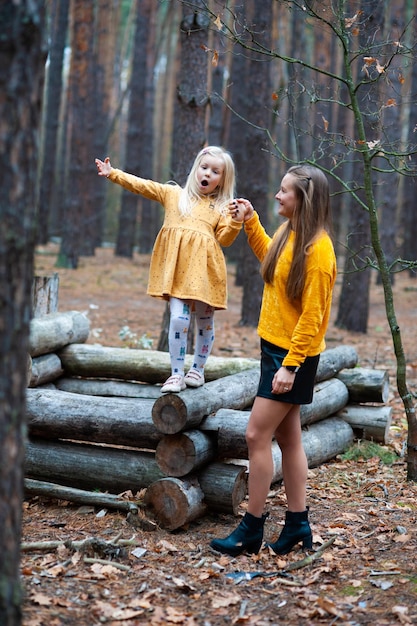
{"points": [[258, 238]]}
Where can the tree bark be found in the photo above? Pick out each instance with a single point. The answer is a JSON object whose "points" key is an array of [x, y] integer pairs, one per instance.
{"points": [[230, 425], [149, 366], [51, 332], [118, 421], [366, 385], [108, 388], [90, 467], [180, 454], [334, 360], [45, 295], [44, 369], [176, 502], [60, 492], [224, 485], [173, 413], [22, 67], [368, 422]]}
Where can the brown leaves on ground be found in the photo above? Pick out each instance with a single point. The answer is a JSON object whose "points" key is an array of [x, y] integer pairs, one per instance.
{"points": [[368, 575]]}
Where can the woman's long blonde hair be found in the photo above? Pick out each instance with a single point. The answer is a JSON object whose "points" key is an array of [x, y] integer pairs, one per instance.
{"points": [[225, 192], [311, 217]]}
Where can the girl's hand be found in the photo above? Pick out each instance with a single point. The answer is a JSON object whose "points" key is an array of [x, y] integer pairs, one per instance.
{"points": [[240, 209], [104, 167]]}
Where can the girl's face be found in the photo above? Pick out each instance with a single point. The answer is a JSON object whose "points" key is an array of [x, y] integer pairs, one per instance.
{"points": [[286, 197], [209, 174]]}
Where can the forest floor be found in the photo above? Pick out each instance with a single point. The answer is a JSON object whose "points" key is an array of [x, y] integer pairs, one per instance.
{"points": [[368, 575]]}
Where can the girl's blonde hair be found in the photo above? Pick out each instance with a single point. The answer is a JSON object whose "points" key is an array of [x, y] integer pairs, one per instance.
{"points": [[225, 191], [311, 217]]}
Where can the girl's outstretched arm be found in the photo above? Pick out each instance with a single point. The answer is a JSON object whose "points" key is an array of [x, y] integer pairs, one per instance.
{"points": [[104, 167]]}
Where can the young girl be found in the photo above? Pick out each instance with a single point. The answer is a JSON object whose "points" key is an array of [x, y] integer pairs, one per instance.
{"points": [[187, 265], [298, 266]]}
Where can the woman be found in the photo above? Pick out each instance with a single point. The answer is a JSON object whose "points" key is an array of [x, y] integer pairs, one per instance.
{"points": [[298, 266]]}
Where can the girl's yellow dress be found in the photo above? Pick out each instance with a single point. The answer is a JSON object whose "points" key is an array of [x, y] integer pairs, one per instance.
{"points": [[187, 260]]}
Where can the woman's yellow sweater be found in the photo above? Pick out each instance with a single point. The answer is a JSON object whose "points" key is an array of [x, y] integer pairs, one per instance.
{"points": [[297, 326]]}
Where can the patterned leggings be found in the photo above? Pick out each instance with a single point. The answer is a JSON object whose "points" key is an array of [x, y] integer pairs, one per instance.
{"points": [[180, 317]]}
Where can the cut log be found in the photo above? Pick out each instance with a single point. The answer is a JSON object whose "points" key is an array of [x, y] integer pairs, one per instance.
{"points": [[224, 485], [173, 413], [119, 421], [329, 397], [368, 422], [175, 502], [108, 388], [150, 366], [52, 332], [230, 425], [365, 385], [90, 467], [334, 360], [45, 295], [180, 454], [44, 369], [80, 496]]}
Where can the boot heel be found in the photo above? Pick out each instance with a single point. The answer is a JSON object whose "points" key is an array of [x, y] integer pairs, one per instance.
{"points": [[296, 529]]}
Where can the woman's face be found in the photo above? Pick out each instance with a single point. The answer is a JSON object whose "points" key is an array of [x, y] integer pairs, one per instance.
{"points": [[209, 174], [286, 197]]}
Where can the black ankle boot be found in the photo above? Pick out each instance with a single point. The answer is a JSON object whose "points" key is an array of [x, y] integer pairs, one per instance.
{"points": [[247, 537], [296, 528]]}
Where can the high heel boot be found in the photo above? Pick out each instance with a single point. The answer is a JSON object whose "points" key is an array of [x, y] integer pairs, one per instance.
{"points": [[247, 537], [296, 528]]}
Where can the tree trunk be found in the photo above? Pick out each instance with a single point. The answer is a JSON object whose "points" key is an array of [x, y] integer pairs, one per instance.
{"points": [[149, 366], [45, 295], [92, 498], [180, 454], [173, 413], [51, 332], [254, 174], [118, 421], [372, 423], [224, 485], [21, 80], [365, 385], [230, 425], [44, 369], [108, 388], [90, 467], [52, 104], [176, 502], [80, 217]]}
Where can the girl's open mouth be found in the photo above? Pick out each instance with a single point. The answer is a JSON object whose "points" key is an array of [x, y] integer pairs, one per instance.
{"points": [[204, 183]]}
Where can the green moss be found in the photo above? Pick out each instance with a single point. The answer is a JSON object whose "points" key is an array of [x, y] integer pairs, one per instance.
{"points": [[365, 450]]}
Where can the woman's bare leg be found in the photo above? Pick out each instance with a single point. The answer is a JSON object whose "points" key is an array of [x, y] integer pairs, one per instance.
{"points": [[265, 419], [294, 460]]}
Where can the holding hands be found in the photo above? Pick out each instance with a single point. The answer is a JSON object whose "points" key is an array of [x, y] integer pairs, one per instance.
{"points": [[240, 209], [104, 167]]}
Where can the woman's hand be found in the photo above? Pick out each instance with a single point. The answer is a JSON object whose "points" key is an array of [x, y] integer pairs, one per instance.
{"points": [[104, 167], [240, 209], [282, 381]]}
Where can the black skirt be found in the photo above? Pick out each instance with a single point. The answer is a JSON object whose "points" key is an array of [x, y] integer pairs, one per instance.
{"points": [[271, 360]]}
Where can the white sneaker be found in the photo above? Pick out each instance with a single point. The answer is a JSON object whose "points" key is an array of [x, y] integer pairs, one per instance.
{"points": [[174, 384], [194, 379]]}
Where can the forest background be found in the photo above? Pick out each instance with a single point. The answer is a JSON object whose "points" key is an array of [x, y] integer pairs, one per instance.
{"points": [[150, 83]]}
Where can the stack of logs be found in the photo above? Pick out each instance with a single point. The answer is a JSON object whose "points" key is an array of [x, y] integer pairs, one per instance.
{"points": [[97, 420]]}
